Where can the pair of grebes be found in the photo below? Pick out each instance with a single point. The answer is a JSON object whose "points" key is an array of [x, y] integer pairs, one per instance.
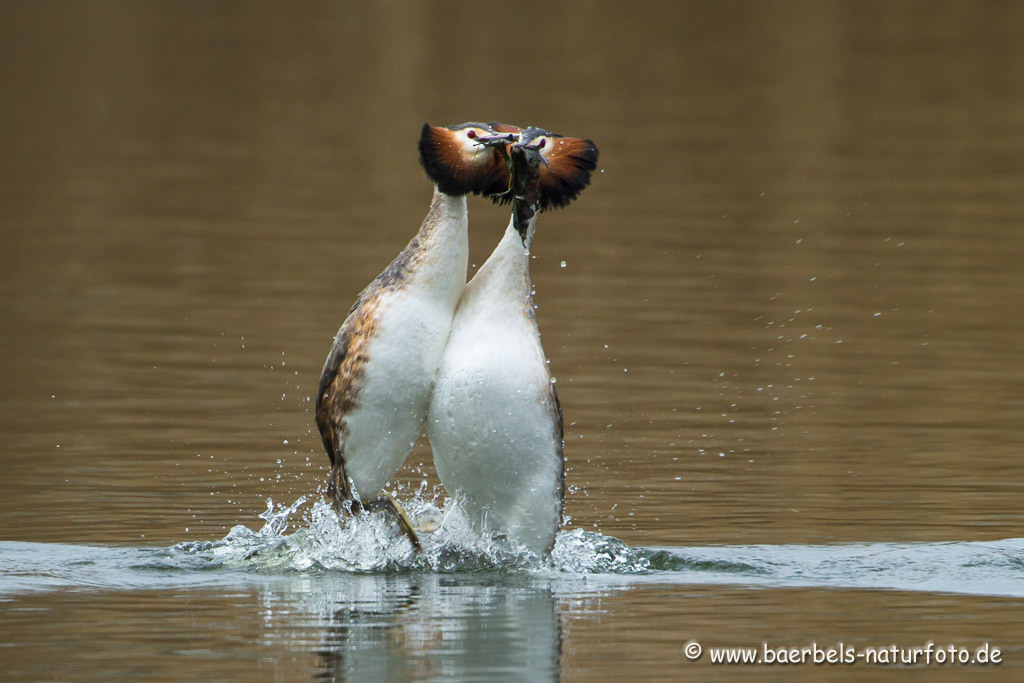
{"points": [[421, 345]]}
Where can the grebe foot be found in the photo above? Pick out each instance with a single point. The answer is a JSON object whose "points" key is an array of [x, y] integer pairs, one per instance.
{"points": [[388, 502]]}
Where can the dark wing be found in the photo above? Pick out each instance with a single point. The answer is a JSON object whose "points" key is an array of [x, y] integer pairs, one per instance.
{"points": [[327, 419], [556, 407], [338, 393], [341, 378]]}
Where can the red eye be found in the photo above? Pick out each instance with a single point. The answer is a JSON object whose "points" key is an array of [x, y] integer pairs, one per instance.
{"points": [[543, 142], [471, 134]]}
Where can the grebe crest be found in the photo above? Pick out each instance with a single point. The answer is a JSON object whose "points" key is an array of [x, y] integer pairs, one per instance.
{"points": [[474, 158], [566, 165], [464, 159]]}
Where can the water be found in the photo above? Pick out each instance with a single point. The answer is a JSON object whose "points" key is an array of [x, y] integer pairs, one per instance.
{"points": [[357, 600], [784, 319], [322, 547], [327, 600]]}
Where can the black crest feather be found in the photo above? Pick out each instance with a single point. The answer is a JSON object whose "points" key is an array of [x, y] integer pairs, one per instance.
{"points": [[569, 163], [451, 172]]}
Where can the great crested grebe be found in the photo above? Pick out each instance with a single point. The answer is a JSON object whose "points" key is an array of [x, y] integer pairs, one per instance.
{"points": [[495, 422], [378, 377]]}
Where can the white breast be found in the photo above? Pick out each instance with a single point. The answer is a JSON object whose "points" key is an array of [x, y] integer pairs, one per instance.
{"points": [[493, 423], [395, 391], [413, 319]]}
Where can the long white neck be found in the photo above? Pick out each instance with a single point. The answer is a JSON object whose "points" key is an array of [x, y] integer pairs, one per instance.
{"points": [[443, 238], [502, 286]]}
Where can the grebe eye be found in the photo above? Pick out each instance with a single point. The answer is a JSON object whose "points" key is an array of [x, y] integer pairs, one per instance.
{"points": [[543, 142], [471, 134]]}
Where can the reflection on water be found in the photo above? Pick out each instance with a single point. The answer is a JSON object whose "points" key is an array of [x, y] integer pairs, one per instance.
{"points": [[435, 627], [787, 317], [473, 623]]}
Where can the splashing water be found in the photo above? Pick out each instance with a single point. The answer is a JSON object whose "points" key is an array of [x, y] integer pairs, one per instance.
{"points": [[307, 540], [370, 542]]}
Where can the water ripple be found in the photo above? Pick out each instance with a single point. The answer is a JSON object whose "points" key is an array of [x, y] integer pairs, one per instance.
{"points": [[316, 545]]}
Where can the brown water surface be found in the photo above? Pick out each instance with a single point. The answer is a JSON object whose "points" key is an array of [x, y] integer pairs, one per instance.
{"points": [[787, 312]]}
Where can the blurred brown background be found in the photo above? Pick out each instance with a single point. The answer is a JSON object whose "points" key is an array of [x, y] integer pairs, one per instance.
{"points": [[790, 305], [789, 312]]}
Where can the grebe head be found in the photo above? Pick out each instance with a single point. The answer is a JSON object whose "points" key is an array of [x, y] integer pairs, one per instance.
{"points": [[474, 158], [467, 158], [565, 165]]}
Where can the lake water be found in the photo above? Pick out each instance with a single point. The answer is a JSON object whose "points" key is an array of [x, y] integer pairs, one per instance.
{"points": [[785, 320]]}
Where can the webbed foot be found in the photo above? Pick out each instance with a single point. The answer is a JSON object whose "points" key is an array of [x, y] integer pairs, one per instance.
{"points": [[387, 502]]}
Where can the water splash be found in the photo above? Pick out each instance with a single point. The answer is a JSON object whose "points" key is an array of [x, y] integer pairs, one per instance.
{"points": [[586, 552], [370, 542], [306, 542]]}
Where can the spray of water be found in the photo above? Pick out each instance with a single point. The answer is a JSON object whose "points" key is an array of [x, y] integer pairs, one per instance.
{"points": [[309, 536]]}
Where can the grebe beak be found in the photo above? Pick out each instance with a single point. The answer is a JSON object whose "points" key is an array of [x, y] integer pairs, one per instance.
{"points": [[499, 140], [535, 148]]}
